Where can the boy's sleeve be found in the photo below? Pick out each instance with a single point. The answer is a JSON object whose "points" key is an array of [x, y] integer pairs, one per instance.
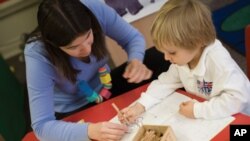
{"points": [[159, 89], [233, 97]]}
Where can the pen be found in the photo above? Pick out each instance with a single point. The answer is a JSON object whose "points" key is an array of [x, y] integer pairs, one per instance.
{"points": [[120, 113]]}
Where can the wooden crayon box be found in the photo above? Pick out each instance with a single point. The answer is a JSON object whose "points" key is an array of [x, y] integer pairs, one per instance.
{"points": [[155, 133]]}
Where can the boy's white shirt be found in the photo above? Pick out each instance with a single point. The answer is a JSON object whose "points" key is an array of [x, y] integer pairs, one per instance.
{"points": [[230, 87]]}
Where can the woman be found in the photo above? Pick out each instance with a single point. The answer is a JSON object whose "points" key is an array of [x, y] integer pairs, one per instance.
{"points": [[63, 56]]}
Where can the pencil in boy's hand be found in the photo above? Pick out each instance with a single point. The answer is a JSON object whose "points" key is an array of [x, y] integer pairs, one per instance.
{"points": [[120, 113]]}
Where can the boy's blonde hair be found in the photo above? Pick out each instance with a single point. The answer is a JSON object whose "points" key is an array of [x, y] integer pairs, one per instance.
{"points": [[183, 23]]}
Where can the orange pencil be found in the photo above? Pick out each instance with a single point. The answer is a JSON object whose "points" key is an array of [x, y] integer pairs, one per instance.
{"points": [[120, 113]]}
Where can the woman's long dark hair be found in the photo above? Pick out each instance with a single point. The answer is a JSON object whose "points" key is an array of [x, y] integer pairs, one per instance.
{"points": [[59, 23]]}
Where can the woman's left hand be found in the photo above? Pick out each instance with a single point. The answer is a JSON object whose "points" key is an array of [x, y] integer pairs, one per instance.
{"points": [[187, 108], [136, 72]]}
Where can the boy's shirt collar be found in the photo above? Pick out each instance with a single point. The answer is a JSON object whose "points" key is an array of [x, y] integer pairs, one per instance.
{"points": [[200, 69]]}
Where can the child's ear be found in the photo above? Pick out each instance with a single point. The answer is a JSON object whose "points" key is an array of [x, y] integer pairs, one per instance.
{"points": [[201, 45]]}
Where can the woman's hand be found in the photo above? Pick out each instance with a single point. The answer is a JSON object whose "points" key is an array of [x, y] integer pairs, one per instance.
{"points": [[136, 72], [106, 131], [131, 113], [187, 108]]}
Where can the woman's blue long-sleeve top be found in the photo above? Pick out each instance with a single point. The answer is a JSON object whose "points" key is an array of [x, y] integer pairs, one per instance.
{"points": [[49, 92]]}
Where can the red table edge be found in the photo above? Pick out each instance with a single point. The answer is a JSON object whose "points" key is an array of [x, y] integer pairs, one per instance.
{"points": [[223, 135], [30, 136]]}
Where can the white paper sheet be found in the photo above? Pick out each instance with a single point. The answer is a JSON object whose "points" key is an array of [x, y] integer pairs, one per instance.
{"points": [[185, 129]]}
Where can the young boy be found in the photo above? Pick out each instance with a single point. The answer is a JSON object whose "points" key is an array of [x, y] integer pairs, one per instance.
{"points": [[184, 32]]}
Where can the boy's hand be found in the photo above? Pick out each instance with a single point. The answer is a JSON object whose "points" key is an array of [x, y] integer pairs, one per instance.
{"points": [[187, 108], [131, 113]]}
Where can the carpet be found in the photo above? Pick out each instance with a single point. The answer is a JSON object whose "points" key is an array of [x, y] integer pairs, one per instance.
{"points": [[230, 22]]}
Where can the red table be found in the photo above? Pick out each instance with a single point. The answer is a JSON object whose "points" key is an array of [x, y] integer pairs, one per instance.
{"points": [[105, 112]]}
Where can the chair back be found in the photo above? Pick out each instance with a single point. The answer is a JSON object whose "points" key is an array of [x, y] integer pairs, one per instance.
{"points": [[247, 46], [12, 113]]}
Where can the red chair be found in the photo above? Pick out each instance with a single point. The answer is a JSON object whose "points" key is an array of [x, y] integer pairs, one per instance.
{"points": [[247, 46]]}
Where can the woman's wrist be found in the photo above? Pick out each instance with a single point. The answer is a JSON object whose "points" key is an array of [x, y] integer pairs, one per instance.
{"points": [[90, 131]]}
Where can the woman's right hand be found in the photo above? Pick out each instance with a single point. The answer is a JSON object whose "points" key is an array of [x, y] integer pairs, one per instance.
{"points": [[131, 113], [106, 131]]}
